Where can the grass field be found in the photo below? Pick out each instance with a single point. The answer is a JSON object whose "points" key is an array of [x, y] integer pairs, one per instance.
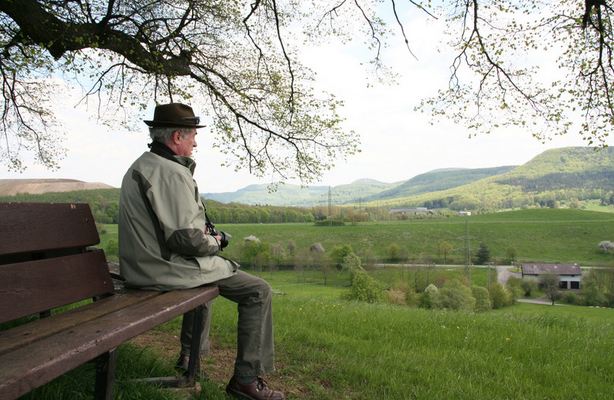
{"points": [[328, 348], [544, 235]]}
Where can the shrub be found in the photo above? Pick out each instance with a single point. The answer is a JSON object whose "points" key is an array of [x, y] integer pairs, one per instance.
{"points": [[365, 288], [499, 296], [430, 298], [396, 296], [338, 253], [456, 296], [352, 264], [482, 298], [112, 248], [329, 222], [528, 285], [515, 292], [571, 298], [393, 252], [316, 248], [483, 253]]}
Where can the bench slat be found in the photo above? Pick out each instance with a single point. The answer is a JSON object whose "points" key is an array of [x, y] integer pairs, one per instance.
{"points": [[31, 287], [31, 332], [47, 359], [34, 227]]}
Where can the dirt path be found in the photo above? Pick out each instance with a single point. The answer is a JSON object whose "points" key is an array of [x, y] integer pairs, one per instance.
{"points": [[219, 364], [503, 274]]}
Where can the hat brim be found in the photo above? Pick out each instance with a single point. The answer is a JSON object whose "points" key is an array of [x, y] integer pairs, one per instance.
{"points": [[171, 124]]}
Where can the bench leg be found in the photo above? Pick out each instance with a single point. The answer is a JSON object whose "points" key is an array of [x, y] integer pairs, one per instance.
{"points": [[105, 375], [197, 329]]}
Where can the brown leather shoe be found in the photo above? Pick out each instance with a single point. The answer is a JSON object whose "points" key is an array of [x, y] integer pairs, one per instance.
{"points": [[182, 364], [256, 390]]}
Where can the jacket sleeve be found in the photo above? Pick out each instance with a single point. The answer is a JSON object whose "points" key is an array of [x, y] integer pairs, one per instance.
{"points": [[182, 216]]}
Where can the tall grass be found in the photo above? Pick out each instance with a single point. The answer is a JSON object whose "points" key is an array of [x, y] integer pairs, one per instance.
{"points": [[333, 349], [348, 350]]}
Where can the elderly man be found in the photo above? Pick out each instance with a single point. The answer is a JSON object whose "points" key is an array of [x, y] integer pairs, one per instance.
{"points": [[164, 245]]}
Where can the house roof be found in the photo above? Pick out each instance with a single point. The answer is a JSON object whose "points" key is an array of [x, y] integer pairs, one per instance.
{"points": [[560, 269]]}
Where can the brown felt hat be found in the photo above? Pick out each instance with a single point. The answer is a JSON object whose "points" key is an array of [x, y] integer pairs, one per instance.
{"points": [[174, 114]]}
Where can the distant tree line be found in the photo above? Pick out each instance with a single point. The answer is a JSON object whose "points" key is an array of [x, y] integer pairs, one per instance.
{"points": [[516, 199], [104, 204]]}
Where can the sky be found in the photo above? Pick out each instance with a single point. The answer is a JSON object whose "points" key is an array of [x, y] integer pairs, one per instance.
{"points": [[397, 143]]}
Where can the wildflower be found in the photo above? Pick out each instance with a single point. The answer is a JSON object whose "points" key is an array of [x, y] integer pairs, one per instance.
{"points": [[507, 338], [458, 327]]}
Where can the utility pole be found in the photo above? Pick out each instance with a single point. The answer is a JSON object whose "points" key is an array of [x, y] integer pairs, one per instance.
{"points": [[330, 204], [467, 252]]}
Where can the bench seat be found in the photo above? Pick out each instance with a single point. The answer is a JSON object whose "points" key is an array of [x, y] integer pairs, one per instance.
{"points": [[61, 269]]}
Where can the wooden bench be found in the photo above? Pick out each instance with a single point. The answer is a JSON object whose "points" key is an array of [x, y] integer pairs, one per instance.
{"points": [[46, 263]]}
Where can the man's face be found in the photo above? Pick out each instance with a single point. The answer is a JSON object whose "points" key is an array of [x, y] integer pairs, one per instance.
{"points": [[187, 144]]}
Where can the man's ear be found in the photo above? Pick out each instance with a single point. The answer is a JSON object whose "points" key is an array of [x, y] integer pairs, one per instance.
{"points": [[176, 137]]}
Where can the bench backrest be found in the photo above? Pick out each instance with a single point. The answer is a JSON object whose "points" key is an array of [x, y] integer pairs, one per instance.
{"points": [[44, 260]]}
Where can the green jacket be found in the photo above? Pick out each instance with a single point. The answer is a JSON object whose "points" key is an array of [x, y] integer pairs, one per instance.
{"points": [[162, 240]]}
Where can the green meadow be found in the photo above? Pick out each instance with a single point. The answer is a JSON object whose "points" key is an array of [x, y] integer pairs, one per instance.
{"points": [[331, 348], [542, 235], [546, 235], [328, 348]]}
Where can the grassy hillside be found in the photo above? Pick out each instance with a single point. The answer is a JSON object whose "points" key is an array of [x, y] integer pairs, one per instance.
{"points": [[436, 181], [293, 195], [559, 175], [568, 236], [330, 349], [546, 235]]}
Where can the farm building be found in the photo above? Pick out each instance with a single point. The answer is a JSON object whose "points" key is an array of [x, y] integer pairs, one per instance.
{"points": [[414, 210], [570, 274]]}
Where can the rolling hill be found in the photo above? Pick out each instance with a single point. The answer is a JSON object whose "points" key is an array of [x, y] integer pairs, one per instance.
{"points": [[568, 174], [294, 195], [564, 175], [11, 187]]}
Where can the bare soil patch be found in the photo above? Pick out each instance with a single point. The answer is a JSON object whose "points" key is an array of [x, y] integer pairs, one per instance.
{"points": [[10, 187], [219, 364]]}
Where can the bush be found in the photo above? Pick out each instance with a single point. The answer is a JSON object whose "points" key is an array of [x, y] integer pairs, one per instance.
{"points": [[396, 296], [482, 298], [456, 296], [394, 252], [112, 248], [351, 263], [329, 223], [571, 298], [515, 292], [338, 253], [430, 298], [365, 288], [528, 285], [499, 296]]}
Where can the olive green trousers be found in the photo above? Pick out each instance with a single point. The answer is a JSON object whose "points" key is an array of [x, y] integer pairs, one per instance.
{"points": [[255, 350]]}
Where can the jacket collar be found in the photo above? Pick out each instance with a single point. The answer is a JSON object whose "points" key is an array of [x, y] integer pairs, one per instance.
{"points": [[164, 151]]}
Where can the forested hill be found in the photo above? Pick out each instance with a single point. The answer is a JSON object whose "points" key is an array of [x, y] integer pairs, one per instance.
{"points": [[293, 195], [567, 175], [438, 180], [564, 169]]}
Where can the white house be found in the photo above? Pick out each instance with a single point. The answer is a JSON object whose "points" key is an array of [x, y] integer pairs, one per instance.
{"points": [[570, 274]]}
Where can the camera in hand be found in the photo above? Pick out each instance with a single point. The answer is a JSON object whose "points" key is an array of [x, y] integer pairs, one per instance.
{"points": [[223, 235]]}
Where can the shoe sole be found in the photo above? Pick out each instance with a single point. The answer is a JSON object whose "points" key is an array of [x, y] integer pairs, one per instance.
{"points": [[238, 395]]}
